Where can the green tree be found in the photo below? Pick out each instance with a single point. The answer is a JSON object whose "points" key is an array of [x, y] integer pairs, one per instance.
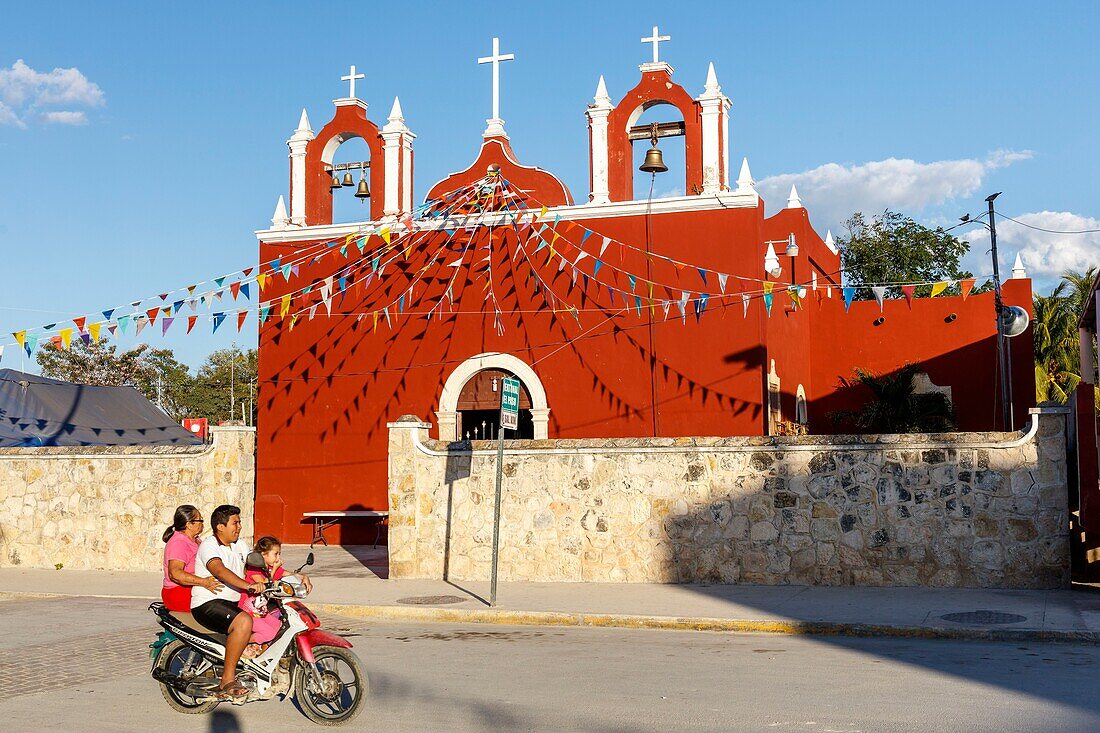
{"points": [[154, 372], [895, 406], [225, 382], [892, 248]]}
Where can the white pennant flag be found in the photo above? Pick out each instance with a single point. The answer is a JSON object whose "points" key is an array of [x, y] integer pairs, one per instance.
{"points": [[666, 305], [580, 257], [722, 282], [313, 311], [814, 279], [603, 247], [745, 304], [828, 291], [140, 322], [880, 294]]}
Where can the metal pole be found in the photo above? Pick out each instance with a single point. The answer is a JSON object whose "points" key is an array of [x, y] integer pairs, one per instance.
{"points": [[1003, 362], [496, 519]]}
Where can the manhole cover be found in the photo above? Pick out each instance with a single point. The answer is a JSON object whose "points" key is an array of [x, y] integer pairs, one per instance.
{"points": [[982, 618], [430, 600]]}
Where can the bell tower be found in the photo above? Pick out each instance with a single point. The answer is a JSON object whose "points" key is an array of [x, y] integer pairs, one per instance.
{"points": [[385, 179], [612, 128]]}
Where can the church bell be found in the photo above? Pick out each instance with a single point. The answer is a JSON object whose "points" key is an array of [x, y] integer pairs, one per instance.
{"points": [[335, 182], [348, 180], [362, 193], [654, 162]]}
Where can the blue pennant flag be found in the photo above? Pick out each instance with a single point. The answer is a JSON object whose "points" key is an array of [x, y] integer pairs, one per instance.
{"points": [[587, 234], [596, 267], [244, 291], [218, 318], [633, 281], [849, 294], [175, 306], [768, 302], [703, 274], [108, 313], [343, 281]]}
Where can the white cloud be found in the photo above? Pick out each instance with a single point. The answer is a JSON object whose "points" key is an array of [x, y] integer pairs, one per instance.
{"points": [[65, 118], [1046, 255], [24, 91], [833, 192]]}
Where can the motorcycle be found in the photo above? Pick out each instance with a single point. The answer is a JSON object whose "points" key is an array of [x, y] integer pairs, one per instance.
{"points": [[314, 666]]}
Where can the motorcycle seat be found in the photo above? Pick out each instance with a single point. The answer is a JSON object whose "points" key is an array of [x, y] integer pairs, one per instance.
{"points": [[190, 621]]}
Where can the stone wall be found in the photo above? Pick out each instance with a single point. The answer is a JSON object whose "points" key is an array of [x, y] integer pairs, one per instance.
{"points": [[959, 510], [106, 507]]}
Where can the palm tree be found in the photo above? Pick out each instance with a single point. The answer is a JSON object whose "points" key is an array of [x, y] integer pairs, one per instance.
{"points": [[1056, 343], [895, 407], [1080, 287]]}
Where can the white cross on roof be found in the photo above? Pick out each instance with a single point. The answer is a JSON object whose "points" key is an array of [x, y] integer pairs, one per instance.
{"points": [[655, 39], [350, 78], [495, 60]]}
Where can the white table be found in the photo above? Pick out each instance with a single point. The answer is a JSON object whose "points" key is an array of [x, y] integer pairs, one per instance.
{"points": [[324, 519]]}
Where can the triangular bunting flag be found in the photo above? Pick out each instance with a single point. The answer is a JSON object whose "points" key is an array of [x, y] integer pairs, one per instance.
{"points": [[66, 335], [849, 294], [939, 287], [20, 337], [108, 313], [30, 344], [93, 329], [880, 295], [234, 289], [966, 286], [123, 321], [240, 319], [908, 292], [218, 318], [190, 323], [165, 324], [152, 313], [80, 323]]}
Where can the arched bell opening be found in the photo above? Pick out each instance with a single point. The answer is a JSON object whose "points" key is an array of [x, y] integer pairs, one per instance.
{"points": [[347, 166], [479, 407], [663, 120]]}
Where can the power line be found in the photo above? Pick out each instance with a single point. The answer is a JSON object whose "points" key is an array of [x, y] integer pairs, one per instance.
{"points": [[1051, 231]]}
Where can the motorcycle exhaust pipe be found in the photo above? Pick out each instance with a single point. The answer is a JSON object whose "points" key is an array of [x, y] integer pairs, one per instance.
{"points": [[191, 688]]}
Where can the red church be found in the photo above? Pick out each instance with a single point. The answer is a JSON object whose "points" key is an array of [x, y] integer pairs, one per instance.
{"points": [[701, 314]]}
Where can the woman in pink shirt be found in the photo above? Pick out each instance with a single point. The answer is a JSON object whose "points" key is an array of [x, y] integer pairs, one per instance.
{"points": [[181, 545]]}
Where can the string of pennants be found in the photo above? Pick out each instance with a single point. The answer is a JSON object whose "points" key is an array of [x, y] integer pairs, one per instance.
{"points": [[481, 207]]}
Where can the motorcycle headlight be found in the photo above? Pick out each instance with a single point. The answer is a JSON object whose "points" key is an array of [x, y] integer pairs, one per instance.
{"points": [[287, 589]]}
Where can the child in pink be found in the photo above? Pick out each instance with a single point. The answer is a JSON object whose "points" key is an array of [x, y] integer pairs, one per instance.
{"points": [[265, 622]]}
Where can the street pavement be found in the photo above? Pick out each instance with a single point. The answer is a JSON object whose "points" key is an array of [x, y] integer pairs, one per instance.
{"points": [[82, 663], [352, 581]]}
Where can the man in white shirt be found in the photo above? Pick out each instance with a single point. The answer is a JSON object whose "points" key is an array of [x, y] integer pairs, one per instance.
{"points": [[222, 556]]}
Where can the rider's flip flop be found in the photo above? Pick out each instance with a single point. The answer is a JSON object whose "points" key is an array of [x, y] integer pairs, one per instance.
{"points": [[233, 689]]}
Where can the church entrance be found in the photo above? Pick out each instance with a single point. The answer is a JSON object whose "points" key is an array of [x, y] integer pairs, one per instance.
{"points": [[479, 407]]}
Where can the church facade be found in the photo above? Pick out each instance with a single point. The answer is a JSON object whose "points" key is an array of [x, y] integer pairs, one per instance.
{"points": [[708, 314]]}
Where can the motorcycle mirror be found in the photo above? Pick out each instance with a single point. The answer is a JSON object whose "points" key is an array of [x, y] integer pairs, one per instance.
{"points": [[309, 561], [256, 560]]}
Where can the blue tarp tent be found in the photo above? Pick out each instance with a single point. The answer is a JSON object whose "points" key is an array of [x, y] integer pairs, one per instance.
{"points": [[37, 411]]}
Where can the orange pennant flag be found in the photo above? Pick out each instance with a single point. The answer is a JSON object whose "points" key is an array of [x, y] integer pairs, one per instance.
{"points": [[966, 286], [240, 319], [79, 323], [152, 313], [190, 323]]}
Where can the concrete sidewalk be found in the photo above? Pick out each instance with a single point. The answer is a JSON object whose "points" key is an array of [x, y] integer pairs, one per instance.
{"points": [[351, 582]]}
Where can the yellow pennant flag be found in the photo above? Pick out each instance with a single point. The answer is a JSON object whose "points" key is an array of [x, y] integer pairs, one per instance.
{"points": [[768, 287], [939, 288], [284, 306], [543, 212], [261, 280], [375, 326], [93, 329], [349, 239], [66, 338], [20, 337], [384, 232], [293, 320]]}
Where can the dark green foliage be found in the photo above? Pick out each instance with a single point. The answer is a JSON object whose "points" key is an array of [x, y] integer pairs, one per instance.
{"points": [[894, 406]]}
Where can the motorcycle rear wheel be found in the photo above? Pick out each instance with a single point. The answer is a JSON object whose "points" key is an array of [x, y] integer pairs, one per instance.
{"points": [[344, 686], [173, 659]]}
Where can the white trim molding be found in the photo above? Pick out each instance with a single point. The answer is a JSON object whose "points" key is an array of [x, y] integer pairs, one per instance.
{"points": [[447, 415]]}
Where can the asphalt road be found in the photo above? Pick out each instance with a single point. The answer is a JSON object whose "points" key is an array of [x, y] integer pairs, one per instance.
{"points": [[83, 665]]}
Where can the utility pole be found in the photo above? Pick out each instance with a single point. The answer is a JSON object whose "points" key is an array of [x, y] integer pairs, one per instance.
{"points": [[1004, 362]]}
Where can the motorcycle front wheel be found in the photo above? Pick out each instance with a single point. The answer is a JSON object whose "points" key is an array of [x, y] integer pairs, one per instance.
{"points": [[336, 698], [178, 659]]}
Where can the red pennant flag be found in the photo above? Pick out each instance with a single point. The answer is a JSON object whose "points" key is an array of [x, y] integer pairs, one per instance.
{"points": [[240, 319], [190, 323], [80, 323], [908, 290], [966, 286], [247, 272], [153, 313], [234, 288], [56, 342]]}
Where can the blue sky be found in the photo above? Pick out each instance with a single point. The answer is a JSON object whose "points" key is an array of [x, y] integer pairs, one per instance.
{"points": [[147, 162]]}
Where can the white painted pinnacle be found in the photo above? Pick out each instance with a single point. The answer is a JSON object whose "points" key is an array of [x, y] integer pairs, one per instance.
{"points": [[279, 218], [711, 87], [601, 92], [395, 111], [830, 242], [793, 202], [1018, 271], [303, 123], [771, 262], [744, 179]]}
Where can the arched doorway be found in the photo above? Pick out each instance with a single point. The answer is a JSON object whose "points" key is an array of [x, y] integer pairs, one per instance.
{"points": [[479, 395], [479, 407]]}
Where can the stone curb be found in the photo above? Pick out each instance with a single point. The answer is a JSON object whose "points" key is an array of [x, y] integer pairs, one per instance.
{"points": [[656, 623], [698, 623]]}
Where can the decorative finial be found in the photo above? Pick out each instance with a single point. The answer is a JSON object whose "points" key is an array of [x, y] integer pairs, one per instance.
{"points": [[830, 242], [279, 218], [495, 126], [793, 202], [1018, 271], [711, 87], [744, 178], [303, 123], [395, 111], [601, 97]]}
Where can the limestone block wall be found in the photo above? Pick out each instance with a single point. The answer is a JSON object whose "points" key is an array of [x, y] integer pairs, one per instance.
{"points": [[956, 510], [106, 507]]}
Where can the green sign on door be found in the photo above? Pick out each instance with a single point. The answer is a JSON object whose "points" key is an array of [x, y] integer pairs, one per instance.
{"points": [[509, 404]]}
